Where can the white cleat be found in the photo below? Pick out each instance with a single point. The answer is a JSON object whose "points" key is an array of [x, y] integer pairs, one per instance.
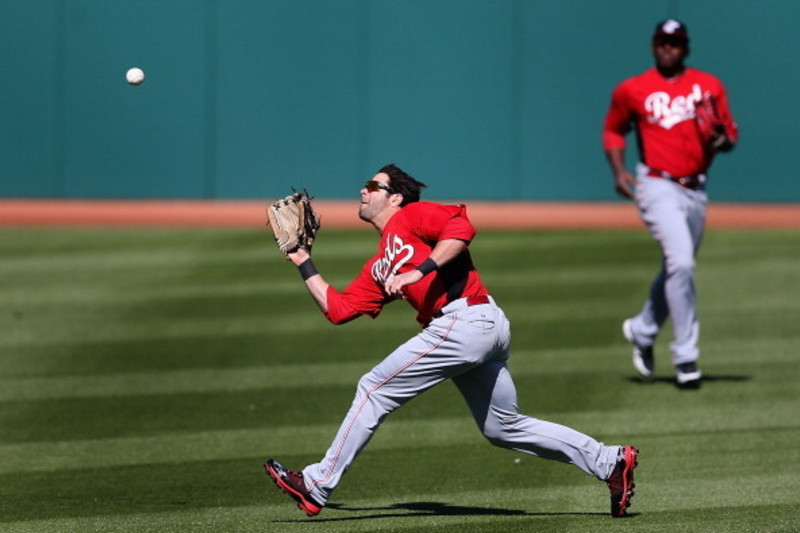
{"points": [[643, 359], [688, 376]]}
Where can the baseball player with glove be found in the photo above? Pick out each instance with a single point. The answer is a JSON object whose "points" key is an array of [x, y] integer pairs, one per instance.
{"points": [[423, 258], [682, 120]]}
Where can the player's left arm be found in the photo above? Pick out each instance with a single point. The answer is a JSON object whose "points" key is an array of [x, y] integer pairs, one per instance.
{"points": [[730, 130], [449, 230], [445, 251]]}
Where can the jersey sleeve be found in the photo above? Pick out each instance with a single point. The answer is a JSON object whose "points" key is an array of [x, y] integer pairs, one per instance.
{"points": [[362, 297], [436, 222], [724, 111], [618, 119]]}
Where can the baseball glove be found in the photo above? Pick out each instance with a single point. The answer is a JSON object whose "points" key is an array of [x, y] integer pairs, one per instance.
{"points": [[293, 222], [709, 124]]}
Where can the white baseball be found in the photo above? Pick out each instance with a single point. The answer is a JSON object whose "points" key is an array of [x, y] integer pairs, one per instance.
{"points": [[135, 76]]}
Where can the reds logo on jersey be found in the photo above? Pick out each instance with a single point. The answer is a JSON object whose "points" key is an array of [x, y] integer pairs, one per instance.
{"points": [[396, 254], [667, 111]]}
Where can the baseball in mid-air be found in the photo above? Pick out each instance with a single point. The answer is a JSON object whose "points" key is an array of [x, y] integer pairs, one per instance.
{"points": [[135, 76]]}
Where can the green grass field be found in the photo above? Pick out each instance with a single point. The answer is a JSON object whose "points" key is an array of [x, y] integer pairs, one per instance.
{"points": [[145, 375]]}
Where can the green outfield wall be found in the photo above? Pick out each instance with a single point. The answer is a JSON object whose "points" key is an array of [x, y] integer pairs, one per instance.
{"points": [[482, 99]]}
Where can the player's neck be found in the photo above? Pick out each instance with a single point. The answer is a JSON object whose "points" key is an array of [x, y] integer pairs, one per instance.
{"points": [[671, 72], [382, 218]]}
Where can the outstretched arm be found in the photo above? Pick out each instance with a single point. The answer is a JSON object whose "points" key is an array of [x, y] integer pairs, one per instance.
{"points": [[315, 283]]}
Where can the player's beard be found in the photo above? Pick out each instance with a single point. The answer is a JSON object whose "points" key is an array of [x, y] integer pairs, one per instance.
{"points": [[369, 209], [364, 212], [373, 208]]}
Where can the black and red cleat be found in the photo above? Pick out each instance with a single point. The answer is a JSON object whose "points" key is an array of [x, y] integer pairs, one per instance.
{"points": [[292, 483], [620, 482]]}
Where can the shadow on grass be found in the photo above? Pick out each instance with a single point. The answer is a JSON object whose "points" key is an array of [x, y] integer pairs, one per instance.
{"points": [[707, 378], [419, 509]]}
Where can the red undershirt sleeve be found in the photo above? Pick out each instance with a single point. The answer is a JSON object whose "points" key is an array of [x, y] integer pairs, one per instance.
{"points": [[362, 297], [617, 123]]}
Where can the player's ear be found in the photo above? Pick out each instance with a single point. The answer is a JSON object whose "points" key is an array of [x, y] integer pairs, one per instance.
{"points": [[396, 199]]}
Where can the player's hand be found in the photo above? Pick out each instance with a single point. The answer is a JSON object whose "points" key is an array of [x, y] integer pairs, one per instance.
{"points": [[394, 285], [721, 142], [624, 184]]}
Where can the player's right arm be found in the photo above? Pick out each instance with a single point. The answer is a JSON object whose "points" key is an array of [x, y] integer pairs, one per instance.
{"points": [[616, 126], [316, 284], [624, 181]]}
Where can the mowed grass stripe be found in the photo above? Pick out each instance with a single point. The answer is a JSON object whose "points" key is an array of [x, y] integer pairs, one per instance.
{"points": [[709, 429], [166, 328], [220, 404], [269, 379], [211, 445], [546, 365], [578, 506], [425, 517]]}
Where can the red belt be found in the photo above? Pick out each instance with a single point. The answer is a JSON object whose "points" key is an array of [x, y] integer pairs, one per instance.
{"points": [[471, 300], [690, 182]]}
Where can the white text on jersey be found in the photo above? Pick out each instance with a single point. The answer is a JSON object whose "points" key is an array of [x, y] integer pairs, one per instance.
{"points": [[395, 255], [668, 111]]}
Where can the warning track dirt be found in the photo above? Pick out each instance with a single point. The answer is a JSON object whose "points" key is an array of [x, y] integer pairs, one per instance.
{"points": [[343, 214]]}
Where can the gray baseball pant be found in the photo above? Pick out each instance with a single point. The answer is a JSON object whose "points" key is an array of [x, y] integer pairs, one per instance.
{"points": [[675, 217], [469, 345]]}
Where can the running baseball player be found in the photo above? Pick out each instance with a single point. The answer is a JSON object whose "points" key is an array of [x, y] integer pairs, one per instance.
{"points": [[423, 258], [682, 120]]}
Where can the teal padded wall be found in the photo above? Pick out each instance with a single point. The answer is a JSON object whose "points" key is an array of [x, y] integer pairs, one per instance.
{"points": [[481, 99]]}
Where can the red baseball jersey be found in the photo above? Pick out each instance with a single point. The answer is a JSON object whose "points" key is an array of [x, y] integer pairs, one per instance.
{"points": [[407, 240], [662, 111]]}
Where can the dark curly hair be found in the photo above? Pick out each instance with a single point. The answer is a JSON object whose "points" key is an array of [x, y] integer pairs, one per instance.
{"points": [[403, 184]]}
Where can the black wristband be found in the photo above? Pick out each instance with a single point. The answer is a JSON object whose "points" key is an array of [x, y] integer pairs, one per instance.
{"points": [[427, 266], [307, 269]]}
